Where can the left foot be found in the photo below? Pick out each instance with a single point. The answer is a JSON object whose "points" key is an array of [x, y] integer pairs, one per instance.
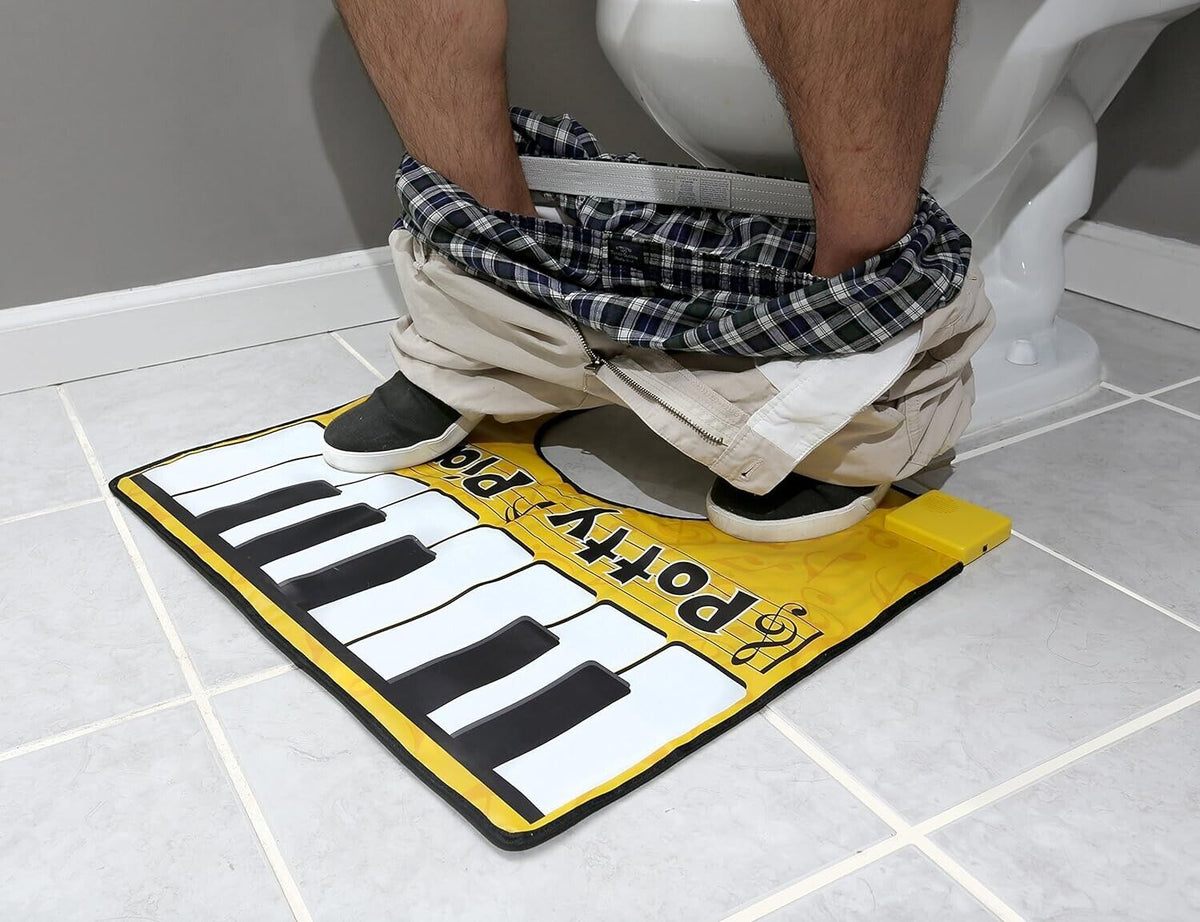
{"points": [[797, 509], [398, 426]]}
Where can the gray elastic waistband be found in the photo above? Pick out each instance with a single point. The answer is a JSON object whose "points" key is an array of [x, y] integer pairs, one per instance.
{"points": [[669, 185]]}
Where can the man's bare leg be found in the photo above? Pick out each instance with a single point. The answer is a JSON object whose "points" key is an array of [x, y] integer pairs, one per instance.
{"points": [[438, 66], [861, 81]]}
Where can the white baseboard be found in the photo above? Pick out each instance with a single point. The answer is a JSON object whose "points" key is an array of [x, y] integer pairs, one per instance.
{"points": [[113, 331], [1154, 275]]}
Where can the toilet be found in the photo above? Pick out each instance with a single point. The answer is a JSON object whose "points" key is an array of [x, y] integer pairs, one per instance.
{"points": [[1013, 158]]}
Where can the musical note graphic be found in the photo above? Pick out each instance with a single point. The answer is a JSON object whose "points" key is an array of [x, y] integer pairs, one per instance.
{"points": [[779, 631]]}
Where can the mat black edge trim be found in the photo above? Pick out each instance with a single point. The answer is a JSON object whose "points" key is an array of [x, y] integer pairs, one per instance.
{"points": [[509, 841]]}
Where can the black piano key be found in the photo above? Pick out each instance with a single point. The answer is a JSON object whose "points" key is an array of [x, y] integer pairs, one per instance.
{"points": [[427, 687], [300, 536], [364, 570], [224, 518], [534, 721]]}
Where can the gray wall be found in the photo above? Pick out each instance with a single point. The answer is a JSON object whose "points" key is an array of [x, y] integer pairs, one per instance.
{"points": [[1148, 176], [149, 140]]}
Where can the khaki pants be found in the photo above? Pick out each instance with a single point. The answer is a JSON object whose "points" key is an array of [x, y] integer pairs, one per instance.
{"points": [[858, 420]]}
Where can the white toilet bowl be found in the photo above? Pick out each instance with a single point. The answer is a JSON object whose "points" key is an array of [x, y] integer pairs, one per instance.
{"points": [[1013, 158]]}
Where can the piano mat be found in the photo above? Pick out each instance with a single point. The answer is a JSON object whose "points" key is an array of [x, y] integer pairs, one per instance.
{"points": [[531, 652]]}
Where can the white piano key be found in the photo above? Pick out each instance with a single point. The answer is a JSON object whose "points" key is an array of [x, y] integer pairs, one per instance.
{"points": [[605, 634], [473, 557], [428, 517], [217, 464], [378, 491], [248, 486], [670, 694], [539, 591]]}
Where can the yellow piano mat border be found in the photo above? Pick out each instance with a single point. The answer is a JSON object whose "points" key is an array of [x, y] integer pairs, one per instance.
{"points": [[925, 570]]}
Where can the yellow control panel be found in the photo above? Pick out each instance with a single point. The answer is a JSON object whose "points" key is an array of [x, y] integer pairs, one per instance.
{"points": [[951, 525]]}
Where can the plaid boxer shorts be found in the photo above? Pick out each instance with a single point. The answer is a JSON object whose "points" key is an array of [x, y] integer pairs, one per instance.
{"points": [[677, 278]]}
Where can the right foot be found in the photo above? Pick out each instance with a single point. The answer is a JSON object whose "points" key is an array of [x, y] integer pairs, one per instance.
{"points": [[797, 509], [398, 426]]}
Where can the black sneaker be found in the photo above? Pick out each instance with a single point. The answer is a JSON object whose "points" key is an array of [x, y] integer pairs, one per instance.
{"points": [[797, 509], [398, 426]]}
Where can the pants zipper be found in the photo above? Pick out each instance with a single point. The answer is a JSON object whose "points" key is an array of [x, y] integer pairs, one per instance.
{"points": [[596, 362]]}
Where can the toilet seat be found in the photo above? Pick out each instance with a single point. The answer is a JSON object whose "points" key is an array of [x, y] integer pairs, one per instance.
{"points": [[1013, 157]]}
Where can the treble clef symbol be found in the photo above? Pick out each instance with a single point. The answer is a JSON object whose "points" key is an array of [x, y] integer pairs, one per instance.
{"points": [[777, 629]]}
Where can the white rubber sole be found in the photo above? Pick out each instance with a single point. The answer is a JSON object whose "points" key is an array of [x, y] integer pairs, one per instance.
{"points": [[396, 459], [801, 528]]}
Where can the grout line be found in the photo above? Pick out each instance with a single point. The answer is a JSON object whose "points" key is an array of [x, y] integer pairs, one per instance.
{"points": [[1171, 387], [258, 819], [1112, 584], [95, 726], [1130, 397], [20, 517], [905, 834], [968, 881], [87, 729], [1151, 396], [1059, 762], [217, 733], [917, 835], [865, 795], [1041, 430], [815, 882], [358, 355], [253, 679], [1172, 407]]}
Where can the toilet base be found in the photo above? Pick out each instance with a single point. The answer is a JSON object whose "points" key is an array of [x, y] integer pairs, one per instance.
{"points": [[1068, 366]]}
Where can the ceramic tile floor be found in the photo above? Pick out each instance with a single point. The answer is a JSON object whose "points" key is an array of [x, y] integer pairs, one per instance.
{"points": [[1021, 745]]}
